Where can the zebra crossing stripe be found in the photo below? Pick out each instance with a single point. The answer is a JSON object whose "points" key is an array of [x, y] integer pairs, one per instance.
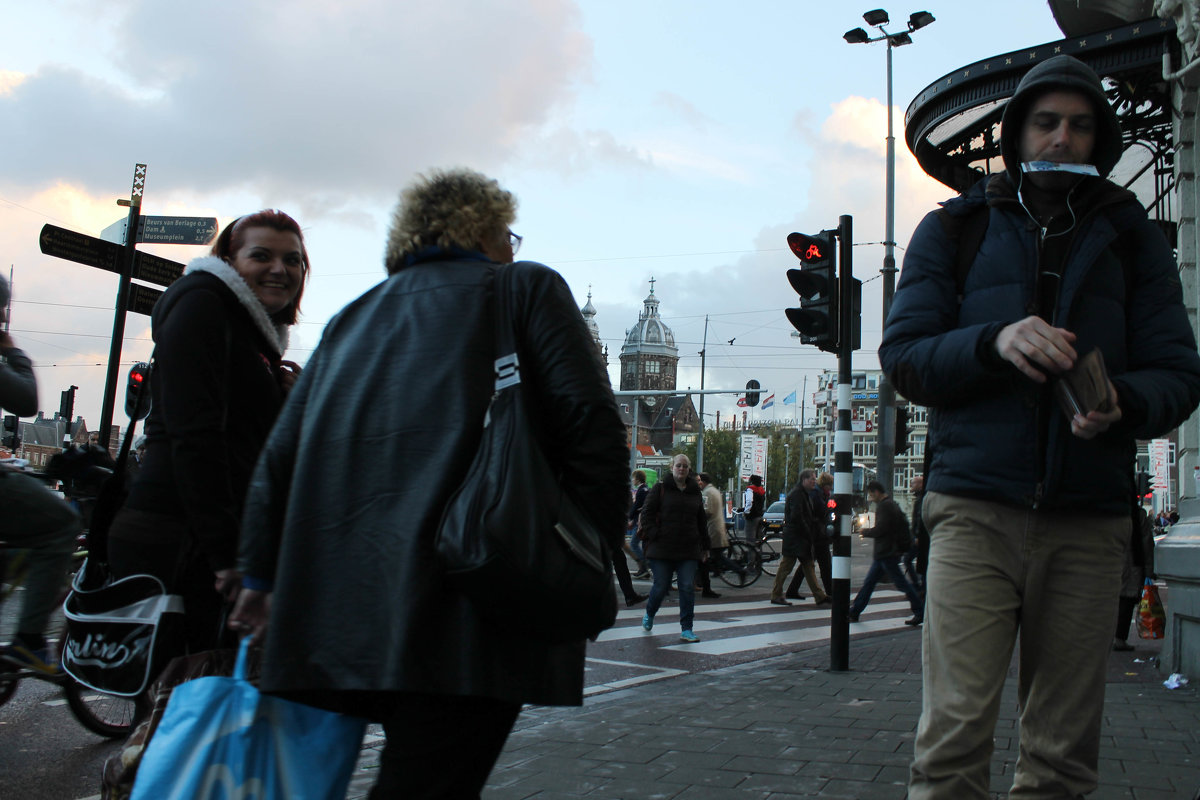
{"points": [[740, 644]]}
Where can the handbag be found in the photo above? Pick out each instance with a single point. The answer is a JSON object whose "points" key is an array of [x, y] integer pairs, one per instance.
{"points": [[510, 538], [220, 737], [118, 632], [1151, 618], [118, 635]]}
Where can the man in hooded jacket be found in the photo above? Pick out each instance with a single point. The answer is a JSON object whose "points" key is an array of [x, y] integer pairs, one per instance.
{"points": [[1027, 505]]}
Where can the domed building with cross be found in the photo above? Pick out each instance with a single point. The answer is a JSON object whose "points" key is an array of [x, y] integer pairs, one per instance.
{"points": [[649, 360]]}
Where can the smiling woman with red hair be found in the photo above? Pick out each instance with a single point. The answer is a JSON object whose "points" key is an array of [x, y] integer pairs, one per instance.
{"points": [[218, 382]]}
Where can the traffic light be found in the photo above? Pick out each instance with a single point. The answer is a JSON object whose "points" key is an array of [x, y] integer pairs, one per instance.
{"points": [[816, 283], [1144, 492], [137, 391], [831, 521], [12, 432], [66, 404], [752, 393], [902, 430]]}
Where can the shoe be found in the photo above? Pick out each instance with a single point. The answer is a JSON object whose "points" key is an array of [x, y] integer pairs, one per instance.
{"points": [[635, 599], [710, 593], [917, 620], [794, 596], [854, 616], [779, 601], [825, 601], [642, 574], [38, 660], [647, 622], [689, 637], [1121, 646]]}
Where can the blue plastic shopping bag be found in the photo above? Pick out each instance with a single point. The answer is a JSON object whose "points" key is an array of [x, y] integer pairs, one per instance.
{"points": [[220, 739]]}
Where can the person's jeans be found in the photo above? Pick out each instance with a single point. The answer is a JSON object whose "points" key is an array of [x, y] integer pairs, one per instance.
{"points": [[910, 569], [891, 567], [635, 544], [997, 573], [685, 570], [33, 518]]}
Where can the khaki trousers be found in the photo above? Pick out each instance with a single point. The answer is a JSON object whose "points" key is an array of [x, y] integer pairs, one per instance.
{"points": [[785, 568], [997, 574]]}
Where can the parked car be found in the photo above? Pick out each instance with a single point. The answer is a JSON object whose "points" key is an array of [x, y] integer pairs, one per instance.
{"points": [[772, 519]]}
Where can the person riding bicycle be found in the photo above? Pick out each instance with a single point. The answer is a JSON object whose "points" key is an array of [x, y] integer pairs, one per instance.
{"points": [[34, 519]]}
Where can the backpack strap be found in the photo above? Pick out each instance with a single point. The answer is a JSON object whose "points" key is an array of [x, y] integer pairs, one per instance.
{"points": [[967, 232]]}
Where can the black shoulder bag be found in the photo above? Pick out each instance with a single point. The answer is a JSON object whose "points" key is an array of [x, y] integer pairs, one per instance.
{"points": [[510, 538]]}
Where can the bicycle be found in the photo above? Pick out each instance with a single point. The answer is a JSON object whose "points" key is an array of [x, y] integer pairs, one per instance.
{"points": [[107, 715], [768, 545], [746, 566]]}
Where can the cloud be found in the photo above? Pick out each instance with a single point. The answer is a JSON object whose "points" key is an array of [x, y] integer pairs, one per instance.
{"points": [[10, 80], [329, 102], [683, 109]]}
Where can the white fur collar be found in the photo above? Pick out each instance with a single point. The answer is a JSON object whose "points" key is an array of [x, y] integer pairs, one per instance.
{"points": [[276, 335]]}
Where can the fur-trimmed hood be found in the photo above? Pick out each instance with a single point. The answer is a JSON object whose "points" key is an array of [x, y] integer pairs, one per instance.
{"points": [[275, 334]]}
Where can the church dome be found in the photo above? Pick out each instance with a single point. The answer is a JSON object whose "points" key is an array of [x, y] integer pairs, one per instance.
{"points": [[589, 317], [650, 334]]}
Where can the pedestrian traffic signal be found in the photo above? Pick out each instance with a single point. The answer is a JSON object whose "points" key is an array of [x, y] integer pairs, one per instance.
{"points": [[137, 391], [12, 432], [816, 283], [902, 430], [752, 388], [831, 521]]}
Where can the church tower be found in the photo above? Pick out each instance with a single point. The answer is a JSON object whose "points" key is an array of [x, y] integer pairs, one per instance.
{"points": [[649, 357], [589, 319]]}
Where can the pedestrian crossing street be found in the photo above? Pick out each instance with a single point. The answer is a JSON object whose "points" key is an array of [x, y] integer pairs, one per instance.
{"points": [[730, 632]]}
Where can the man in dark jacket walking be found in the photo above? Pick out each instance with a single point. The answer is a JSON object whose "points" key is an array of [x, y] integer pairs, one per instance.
{"points": [[891, 540], [1027, 503]]}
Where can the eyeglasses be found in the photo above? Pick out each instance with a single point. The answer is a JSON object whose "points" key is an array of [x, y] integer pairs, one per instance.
{"points": [[515, 241]]}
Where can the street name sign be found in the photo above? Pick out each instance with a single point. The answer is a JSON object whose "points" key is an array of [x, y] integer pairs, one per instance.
{"points": [[177, 230], [142, 298]]}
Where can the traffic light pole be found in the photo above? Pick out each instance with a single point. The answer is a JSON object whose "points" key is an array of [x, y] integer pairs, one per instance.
{"points": [[843, 444]]}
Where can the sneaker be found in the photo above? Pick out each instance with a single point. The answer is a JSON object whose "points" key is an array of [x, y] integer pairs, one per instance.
{"points": [[689, 637], [647, 622], [38, 660]]}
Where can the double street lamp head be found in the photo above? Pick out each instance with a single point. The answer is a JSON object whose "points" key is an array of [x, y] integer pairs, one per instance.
{"points": [[878, 18]]}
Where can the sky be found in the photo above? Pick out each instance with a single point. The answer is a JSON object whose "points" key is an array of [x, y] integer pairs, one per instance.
{"points": [[680, 141]]}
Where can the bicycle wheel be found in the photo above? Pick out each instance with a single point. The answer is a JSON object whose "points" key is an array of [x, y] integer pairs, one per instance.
{"points": [[749, 568], [106, 714], [769, 553]]}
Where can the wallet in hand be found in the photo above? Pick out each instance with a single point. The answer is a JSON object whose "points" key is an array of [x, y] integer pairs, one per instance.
{"points": [[1084, 387]]}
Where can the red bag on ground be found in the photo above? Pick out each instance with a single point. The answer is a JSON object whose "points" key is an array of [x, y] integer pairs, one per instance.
{"points": [[1151, 619]]}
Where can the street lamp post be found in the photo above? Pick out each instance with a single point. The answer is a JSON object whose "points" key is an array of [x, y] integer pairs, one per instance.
{"points": [[885, 443], [787, 465]]}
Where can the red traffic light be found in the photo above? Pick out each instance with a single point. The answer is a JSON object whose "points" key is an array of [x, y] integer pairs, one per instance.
{"points": [[136, 376], [808, 248], [831, 503]]}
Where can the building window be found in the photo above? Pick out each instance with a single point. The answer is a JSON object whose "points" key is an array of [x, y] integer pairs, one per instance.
{"points": [[652, 367]]}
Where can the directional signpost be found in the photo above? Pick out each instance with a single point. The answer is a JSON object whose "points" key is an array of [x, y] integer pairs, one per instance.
{"points": [[122, 257], [177, 230]]}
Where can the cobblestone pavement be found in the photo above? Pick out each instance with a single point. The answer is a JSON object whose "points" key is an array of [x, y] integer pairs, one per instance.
{"points": [[786, 727]]}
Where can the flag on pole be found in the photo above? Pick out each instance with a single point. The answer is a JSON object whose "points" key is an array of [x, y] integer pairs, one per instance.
{"points": [[770, 401], [790, 400]]}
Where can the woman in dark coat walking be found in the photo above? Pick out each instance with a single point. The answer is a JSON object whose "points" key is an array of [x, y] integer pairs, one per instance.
{"points": [[377, 435], [675, 532]]}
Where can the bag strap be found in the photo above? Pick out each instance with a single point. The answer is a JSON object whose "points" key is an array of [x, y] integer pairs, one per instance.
{"points": [[508, 363]]}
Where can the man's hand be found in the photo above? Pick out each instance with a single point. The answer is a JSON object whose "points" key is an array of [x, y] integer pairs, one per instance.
{"points": [[1097, 422], [1035, 347], [289, 373], [251, 614]]}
